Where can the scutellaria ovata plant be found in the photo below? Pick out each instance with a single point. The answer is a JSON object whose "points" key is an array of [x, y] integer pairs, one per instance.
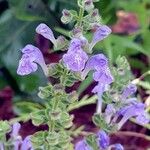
{"points": [[114, 91]]}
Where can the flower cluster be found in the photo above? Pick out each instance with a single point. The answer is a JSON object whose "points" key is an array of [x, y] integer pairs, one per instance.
{"points": [[129, 107]]}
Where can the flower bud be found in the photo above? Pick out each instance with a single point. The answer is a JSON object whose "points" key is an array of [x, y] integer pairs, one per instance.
{"points": [[55, 115], [88, 5], [67, 17], [95, 15], [58, 89], [72, 97], [61, 43], [77, 32], [45, 92]]}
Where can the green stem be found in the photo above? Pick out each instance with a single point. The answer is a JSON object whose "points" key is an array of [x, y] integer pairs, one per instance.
{"points": [[81, 13], [54, 107], [85, 101], [51, 125]]}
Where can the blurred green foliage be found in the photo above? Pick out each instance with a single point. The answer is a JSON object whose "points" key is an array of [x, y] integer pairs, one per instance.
{"points": [[18, 20]]}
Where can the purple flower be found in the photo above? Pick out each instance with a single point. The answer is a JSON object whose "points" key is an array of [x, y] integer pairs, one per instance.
{"points": [[88, 5], [45, 31], [75, 44], [143, 118], [97, 62], [129, 90], [103, 77], [135, 109], [30, 58], [15, 129], [117, 146], [99, 89], [15, 135], [103, 139], [109, 112], [75, 58], [26, 144], [102, 32], [1, 146], [82, 145]]}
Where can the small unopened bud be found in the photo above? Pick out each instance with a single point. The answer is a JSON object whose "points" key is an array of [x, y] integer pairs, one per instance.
{"points": [[95, 15], [89, 5], [55, 115], [45, 92], [58, 88], [77, 32], [67, 17], [121, 71], [72, 97], [61, 43]]}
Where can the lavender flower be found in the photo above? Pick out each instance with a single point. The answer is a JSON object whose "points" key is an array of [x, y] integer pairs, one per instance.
{"points": [[109, 112], [88, 5], [129, 90], [104, 77], [102, 32], [97, 62], [15, 135], [135, 109], [82, 145], [75, 44], [45, 31], [15, 129], [75, 58], [103, 139], [26, 144], [100, 89], [118, 147], [30, 58], [1, 146]]}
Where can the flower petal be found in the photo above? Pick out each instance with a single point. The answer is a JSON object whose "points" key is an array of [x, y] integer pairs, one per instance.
{"points": [[45, 31]]}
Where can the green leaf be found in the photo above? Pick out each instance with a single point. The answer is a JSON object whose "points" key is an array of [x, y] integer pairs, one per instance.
{"points": [[29, 10], [4, 128], [144, 84], [24, 107], [38, 117], [92, 141]]}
